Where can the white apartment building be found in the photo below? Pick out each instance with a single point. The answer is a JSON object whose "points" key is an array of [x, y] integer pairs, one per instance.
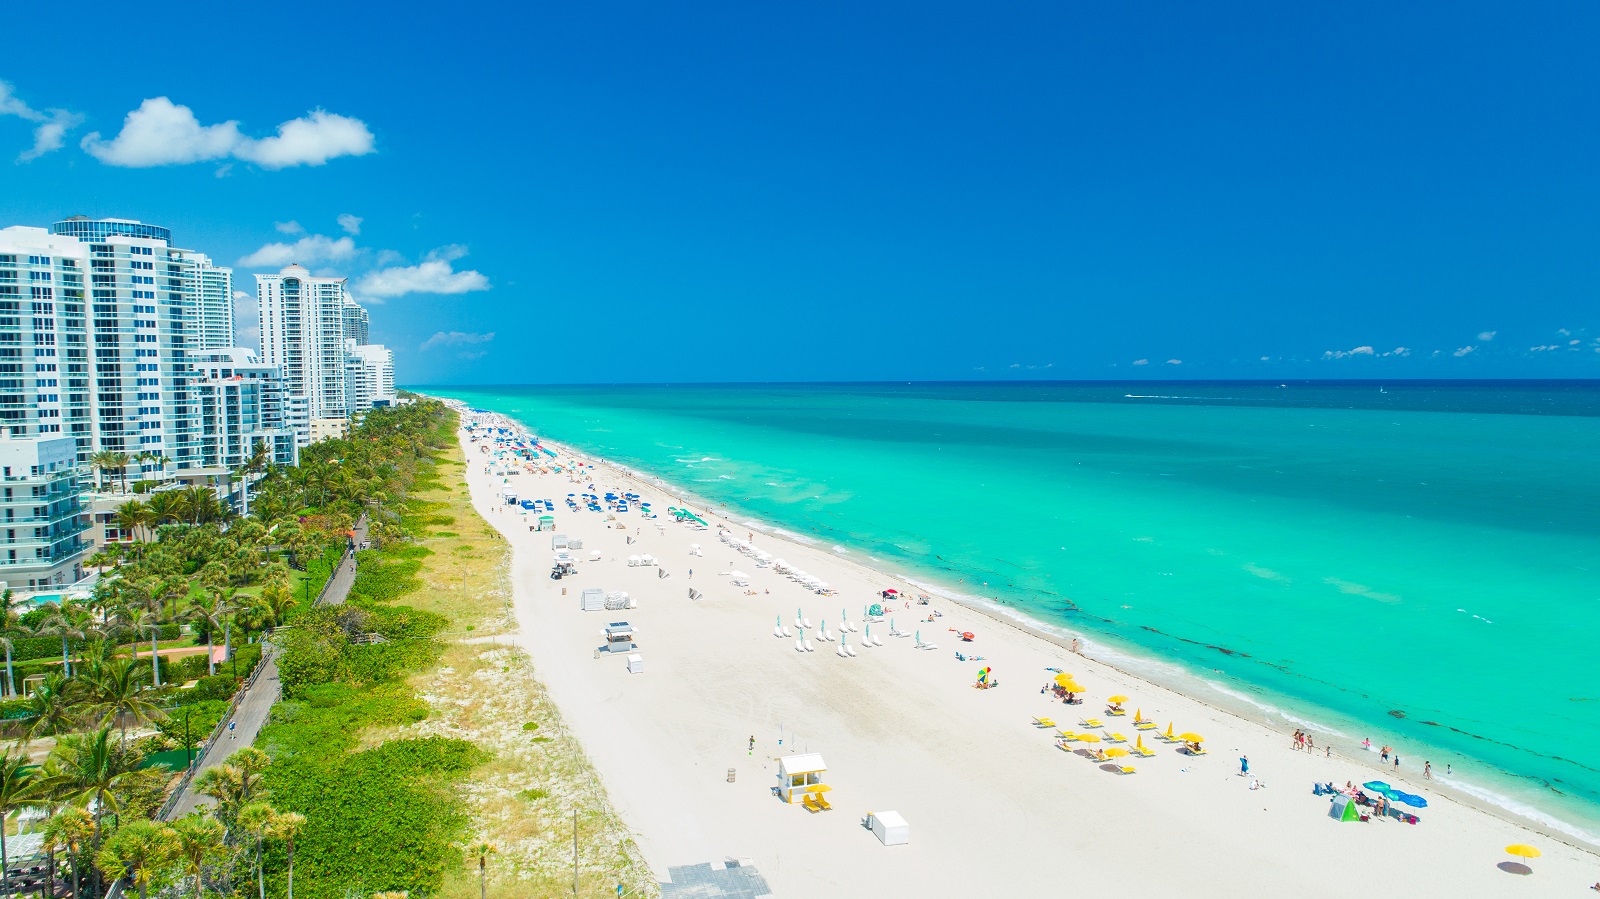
{"points": [[371, 376], [97, 318], [314, 331], [242, 404], [41, 514]]}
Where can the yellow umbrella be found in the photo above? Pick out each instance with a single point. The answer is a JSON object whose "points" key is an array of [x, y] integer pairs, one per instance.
{"points": [[1063, 678], [1115, 752], [1169, 729], [1118, 698], [820, 788], [1072, 686], [1191, 737], [1138, 714], [1139, 742], [1089, 738], [1523, 850]]}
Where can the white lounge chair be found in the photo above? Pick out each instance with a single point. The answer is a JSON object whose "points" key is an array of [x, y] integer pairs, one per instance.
{"points": [[877, 641], [849, 649], [840, 652], [799, 644], [810, 647], [807, 621]]}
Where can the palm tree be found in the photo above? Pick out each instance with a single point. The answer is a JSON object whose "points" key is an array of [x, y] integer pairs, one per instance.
{"points": [[67, 620], [120, 461], [87, 769], [18, 788], [257, 822], [280, 600], [132, 516], [69, 828], [200, 838], [287, 826], [207, 611], [139, 850], [166, 506], [51, 708], [10, 623], [116, 694], [483, 851], [235, 783]]}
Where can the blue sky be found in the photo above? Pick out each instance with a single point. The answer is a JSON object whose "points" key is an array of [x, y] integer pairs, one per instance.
{"points": [[653, 192]]}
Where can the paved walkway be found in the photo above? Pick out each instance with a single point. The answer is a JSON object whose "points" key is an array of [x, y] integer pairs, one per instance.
{"points": [[255, 707]]}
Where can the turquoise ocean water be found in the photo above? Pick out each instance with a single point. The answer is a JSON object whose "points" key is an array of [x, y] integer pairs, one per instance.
{"points": [[1418, 563]]}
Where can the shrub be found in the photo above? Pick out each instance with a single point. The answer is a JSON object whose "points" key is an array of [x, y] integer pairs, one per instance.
{"points": [[221, 687], [202, 719]]}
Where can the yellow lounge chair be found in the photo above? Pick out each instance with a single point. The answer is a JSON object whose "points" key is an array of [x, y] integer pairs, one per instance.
{"points": [[1144, 725], [1043, 722], [1091, 722], [1142, 752], [1116, 738], [1116, 711], [1193, 751], [1127, 769], [822, 801], [810, 802]]}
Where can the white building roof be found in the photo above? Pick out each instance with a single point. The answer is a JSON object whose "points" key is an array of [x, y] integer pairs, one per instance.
{"points": [[801, 764]]}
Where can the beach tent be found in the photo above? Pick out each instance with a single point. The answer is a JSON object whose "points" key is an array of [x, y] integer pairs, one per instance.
{"points": [[1344, 809]]}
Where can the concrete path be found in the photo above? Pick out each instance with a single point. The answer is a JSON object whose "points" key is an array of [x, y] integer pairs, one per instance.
{"points": [[255, 706]]}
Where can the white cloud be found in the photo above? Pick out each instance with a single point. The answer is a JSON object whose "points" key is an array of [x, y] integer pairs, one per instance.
{"points": [[433, 275], [161, 132], [1174, 361], [311, 140], [1400, 351], [456, 338], [50, 125], [1345, 354], [1544, 349], [1266, 358], [1465, 351], [289, 227], [246, 319], [351, 223], [308, 250], [1141, 362], [1487, 336]]}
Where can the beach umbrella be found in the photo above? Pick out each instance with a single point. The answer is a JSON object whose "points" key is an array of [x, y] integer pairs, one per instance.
{"points": [[1523, 850], [1073, 686], [1063, 679], [1169, 730], [1191, 737], [1376, 786], [1138, 714], [1119, 698], [1115, 752], [1139, 742], [1410, 799], [1089, 738]]}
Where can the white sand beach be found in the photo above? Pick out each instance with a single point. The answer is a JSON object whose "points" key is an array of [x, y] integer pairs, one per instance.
{"points": [[994, 807]]}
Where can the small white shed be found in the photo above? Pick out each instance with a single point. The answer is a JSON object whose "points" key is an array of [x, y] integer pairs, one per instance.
{"points": [[636, 664], [594, 600], [892, 830], [800, 774]]}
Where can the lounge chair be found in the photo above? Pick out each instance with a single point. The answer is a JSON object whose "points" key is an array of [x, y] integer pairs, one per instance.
{"points": [[811, 803], [1091, 722], [1126, 769], [1144, 725], [849, 649], [810, 647], [821, 801], [1116, 738], [1043, 722], [1116, 711], [1142, 752], [799, 644]]}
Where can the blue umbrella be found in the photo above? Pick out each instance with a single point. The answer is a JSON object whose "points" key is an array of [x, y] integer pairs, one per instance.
{"points": [[1376, 786], [1409, 799]]}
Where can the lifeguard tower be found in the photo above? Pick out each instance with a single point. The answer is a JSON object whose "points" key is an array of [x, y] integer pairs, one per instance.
{"points": [[619, 637], [801, 776]]}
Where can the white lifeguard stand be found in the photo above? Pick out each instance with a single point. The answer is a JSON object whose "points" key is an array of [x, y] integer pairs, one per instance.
{"points": [[799, 775]]}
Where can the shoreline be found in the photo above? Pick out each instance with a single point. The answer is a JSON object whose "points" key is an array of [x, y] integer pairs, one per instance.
{"points": [[1262, 718], [1133, 661]]}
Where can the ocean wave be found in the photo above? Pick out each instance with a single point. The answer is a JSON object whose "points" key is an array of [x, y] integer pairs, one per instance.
{"points": [[725, 477], [1274, 710], [1157, 396], [1520, 809], [839, 549]]}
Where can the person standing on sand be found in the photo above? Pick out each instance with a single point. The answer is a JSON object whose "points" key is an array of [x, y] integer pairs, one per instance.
{"points": [[1244, 765], [1310, 747], [1397, 761]]}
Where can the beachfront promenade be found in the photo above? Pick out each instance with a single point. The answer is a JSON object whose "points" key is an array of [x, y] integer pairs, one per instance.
{"points": [[253, 706]]}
